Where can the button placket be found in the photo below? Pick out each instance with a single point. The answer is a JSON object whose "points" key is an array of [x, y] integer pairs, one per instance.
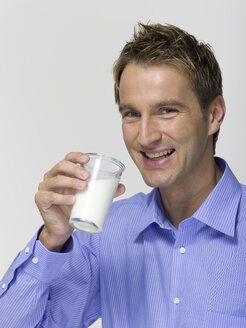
{"points": [[179, 261], [182, 250], [35, 260], [176, 300], [27, 250]]}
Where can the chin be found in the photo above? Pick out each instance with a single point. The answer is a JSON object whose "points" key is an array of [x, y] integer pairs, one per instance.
{"points": [[154, 182]]}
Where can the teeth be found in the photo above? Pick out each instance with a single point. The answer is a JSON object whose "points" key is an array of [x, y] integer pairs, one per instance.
{"points": [[156, 155]]}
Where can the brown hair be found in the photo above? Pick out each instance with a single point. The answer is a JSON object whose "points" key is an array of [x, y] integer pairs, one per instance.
{"points": [[156, 44]]}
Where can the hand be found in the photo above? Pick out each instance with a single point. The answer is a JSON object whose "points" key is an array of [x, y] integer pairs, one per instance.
{"points": [[56, 197]]}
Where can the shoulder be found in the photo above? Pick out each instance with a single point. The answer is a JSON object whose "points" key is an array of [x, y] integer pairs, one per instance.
{"points": [[139, 201], [241, 215], [243, 186], [126, 213], [243, 197]]}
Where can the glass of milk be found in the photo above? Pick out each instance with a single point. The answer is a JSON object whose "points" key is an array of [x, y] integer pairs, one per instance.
{"points": [[91, 207]]}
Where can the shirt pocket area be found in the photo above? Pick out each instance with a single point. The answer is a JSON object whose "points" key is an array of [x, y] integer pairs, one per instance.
{"points": [[220, 320]]}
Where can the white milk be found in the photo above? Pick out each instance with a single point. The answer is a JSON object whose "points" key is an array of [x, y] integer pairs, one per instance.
{"points": [[92, 205]]}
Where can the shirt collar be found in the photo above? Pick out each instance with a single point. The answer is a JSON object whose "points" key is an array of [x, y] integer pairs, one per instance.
{"points": [[154, 214], [218, 211]]}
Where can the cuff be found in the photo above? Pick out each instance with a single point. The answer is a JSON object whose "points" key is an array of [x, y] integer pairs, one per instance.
{"points": [[43, 264]]}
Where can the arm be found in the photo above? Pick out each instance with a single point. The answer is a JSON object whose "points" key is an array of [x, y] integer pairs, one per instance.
{"points": [[55, 290], [54, 282]]}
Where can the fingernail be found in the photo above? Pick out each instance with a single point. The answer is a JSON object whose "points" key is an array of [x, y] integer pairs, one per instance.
{"points": [[84, 157], [84, 174], [70, 199], [79, 184]]}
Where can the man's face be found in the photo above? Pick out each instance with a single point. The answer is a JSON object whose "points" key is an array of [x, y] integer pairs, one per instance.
{"points": [[163, 126]]}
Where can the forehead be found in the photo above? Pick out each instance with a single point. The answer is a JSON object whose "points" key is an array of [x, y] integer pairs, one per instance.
{"points": [[153, 82]]}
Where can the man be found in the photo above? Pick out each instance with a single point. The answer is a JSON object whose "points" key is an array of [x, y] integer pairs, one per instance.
{"points": [[174, 258]]}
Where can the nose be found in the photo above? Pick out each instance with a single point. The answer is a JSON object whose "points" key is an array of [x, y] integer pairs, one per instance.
{"points": [[149, 133]]}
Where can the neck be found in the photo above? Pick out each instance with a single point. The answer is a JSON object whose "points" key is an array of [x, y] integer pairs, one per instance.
{"points": [[183, 201]]}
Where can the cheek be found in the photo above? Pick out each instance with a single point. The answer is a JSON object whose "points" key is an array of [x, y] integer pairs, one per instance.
{"points": [[177, 131], [194, 137], [129, 133], [188, 130]]}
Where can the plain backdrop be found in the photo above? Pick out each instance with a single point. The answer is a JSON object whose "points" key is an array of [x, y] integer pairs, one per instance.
{"points": [[56, 90]]}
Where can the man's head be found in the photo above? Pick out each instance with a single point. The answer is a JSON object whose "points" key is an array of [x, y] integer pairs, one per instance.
{"points": [[156, 44]]}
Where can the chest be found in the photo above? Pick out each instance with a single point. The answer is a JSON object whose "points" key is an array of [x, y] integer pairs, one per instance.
{"points": [[163, 280]]}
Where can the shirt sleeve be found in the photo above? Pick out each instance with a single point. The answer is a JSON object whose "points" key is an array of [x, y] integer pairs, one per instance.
{"points": [[47, 289]]}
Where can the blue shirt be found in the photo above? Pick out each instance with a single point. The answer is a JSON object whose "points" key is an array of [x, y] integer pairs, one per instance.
{"points": [[140, 271]]}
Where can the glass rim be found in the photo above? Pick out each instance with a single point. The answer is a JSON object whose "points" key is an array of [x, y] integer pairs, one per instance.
{"points": [[109, 158]]}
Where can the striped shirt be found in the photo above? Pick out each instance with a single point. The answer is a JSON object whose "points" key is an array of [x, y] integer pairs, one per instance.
{"points": [[140, 271]]}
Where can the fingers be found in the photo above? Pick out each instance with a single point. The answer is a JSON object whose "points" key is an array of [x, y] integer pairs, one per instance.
{"points": [[67, 176], [46, 199], [64, 182], [69, 166], [120, 190], [77, 157]]}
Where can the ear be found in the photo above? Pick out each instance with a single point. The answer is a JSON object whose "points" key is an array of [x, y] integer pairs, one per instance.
{"points": [[216, 114]]}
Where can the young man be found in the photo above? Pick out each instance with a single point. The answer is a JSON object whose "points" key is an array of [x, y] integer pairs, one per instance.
{"points": [[174, 258]]}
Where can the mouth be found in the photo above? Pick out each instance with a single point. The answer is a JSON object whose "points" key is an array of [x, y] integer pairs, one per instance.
{"points": [[158, 156]]}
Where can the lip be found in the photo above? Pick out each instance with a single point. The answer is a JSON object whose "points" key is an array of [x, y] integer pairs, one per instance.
{"points": [[156, 163]]}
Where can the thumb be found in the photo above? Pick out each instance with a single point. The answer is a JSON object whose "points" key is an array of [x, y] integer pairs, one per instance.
{"points": [[120, 190]]}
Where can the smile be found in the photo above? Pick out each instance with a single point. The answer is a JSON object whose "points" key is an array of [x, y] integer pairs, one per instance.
{"points": [[160, 155]]}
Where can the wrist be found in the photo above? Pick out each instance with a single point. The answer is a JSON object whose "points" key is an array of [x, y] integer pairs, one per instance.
{"points": [[52, 242]]}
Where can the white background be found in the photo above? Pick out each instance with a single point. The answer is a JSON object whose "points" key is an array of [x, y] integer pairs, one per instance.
{"points": [[56, 90]]}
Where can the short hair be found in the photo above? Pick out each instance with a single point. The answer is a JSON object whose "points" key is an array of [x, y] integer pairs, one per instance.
{"points": [[156, 44]]}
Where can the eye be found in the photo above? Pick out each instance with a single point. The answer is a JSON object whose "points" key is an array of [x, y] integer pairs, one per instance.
{"points": [[167, 110], [130, 114]]}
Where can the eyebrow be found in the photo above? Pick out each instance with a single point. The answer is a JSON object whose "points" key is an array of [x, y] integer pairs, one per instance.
{"points": [[170, 102], [167, 103], [123, 107]]}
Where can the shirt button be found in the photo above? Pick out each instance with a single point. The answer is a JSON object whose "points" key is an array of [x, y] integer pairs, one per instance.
{"points": [[27, 250], [182, 250], [3, 286], [176, 300], [35, 260]]}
